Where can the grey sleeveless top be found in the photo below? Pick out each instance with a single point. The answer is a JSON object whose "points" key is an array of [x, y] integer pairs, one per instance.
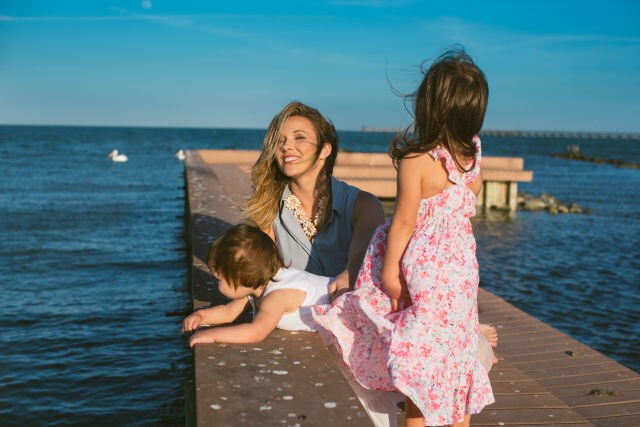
{"points": [[327, 253]]}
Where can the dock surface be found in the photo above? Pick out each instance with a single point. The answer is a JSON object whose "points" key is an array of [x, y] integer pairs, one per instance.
{"points": [[543, 378]]}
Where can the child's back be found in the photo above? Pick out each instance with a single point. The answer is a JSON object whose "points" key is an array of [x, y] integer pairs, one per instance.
{"points": [[316, 293]]}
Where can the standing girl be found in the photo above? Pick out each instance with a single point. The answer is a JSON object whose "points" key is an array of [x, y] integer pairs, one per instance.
{"points": [[425, 256]]}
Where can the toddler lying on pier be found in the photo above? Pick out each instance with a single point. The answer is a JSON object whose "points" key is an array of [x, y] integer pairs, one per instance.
{"points": [[250, 270]]}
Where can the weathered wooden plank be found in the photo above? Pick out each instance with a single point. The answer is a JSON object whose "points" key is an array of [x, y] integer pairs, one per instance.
{"points": [[624, 420], [533, 346], [594, 380], [518, 424], [565, 392], [529, 401], [566, 346], [516, 388], [508, 376], [563, 369], [540, 416], [535, 335], [534, 367], [602, 396], [614, 409], [561, 358], [511, 331], [561, 353]]}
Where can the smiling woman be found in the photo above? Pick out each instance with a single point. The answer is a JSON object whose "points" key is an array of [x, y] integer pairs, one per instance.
{"points": [[320, 224], [298, 148]]}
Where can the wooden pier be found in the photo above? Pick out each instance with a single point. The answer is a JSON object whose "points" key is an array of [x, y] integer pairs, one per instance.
{"points": [[543, 378]]}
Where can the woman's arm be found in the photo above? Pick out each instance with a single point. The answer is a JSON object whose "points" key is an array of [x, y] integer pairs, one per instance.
{"points": [[271, 311], [368, 214], [215, 315]]}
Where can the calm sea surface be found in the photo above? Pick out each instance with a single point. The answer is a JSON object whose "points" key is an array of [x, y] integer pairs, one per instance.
{"points": [[94, 263]]}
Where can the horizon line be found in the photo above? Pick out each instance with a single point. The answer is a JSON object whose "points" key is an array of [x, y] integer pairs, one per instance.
{"points": [[366, 129]]}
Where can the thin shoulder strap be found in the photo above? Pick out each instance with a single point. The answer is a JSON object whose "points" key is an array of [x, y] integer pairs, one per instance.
{"points": [[473, 173]]}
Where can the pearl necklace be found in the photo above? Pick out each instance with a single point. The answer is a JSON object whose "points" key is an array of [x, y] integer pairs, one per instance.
{"points": [[309, 227]]}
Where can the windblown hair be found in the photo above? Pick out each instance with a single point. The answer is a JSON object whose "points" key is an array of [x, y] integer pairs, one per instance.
{"points": [[449, 108], [268, 180], [245, 256]]}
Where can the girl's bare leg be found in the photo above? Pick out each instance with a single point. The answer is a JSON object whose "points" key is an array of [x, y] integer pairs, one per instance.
{"points": [[465, 423], [491, 334], [413, 416]]}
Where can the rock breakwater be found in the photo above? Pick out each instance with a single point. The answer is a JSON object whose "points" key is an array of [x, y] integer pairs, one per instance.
{"points": [[573, 153], [548, 202]]}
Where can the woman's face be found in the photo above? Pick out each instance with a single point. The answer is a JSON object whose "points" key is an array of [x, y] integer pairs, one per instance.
{"points": [[297, 148]]}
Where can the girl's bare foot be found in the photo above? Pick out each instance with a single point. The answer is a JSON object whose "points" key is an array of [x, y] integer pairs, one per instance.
{"points": [[490, 333]]}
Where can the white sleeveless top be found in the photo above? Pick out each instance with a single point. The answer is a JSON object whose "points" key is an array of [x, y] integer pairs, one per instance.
{"points": [[317, 292]]}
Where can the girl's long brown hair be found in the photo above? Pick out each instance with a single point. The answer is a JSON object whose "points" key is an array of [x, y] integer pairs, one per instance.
{"points": [[449, 108], [269, 182]]}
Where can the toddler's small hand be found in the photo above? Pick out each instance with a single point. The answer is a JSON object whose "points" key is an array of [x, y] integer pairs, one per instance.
{"points": [[191, 322], [202, 337]]}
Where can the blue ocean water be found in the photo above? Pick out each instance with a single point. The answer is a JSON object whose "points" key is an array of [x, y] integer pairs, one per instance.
{"points": [[94, 263]]}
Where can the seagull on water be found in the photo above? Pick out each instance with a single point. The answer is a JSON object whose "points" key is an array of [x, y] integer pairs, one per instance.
{"points": [[180, 155], [118, 157]]}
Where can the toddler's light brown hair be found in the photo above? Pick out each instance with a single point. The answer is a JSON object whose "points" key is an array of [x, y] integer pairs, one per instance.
{"points": [[245, 256]]}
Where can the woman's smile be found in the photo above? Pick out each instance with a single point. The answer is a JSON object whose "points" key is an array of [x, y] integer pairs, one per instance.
{"points": [[297, 146]]}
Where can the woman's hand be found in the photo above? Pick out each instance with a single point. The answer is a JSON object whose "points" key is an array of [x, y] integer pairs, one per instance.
{"points": [[339, 286]]}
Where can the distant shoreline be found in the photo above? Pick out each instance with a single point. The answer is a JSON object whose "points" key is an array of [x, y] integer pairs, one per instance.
{"points": [[635, 136], [562, 134]]}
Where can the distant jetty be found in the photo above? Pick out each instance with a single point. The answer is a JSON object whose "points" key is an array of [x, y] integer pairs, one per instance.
{"points": [[573, 153], [562, 134], [531, 133], [381, 130]]}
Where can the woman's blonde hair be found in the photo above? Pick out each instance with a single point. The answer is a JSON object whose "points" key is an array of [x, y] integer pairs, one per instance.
{"points": [[268, 180], [245, 256], [449, 109]]}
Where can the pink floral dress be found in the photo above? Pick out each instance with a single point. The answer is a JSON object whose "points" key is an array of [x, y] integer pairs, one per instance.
{"points": [[428, 351]]}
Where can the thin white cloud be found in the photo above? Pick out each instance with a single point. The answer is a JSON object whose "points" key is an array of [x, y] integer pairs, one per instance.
{"points": [[192, 22], [493, 38]]}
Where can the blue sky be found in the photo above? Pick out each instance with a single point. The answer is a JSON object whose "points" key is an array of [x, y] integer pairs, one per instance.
{"points": [[551, 65]]}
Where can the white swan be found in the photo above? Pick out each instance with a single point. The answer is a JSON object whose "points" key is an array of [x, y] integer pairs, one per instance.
{"points": [[116, 157], [180, 155]]}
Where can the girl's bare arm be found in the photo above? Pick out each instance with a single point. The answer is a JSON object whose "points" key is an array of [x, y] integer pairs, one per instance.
{"points": [[408, 196]]}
